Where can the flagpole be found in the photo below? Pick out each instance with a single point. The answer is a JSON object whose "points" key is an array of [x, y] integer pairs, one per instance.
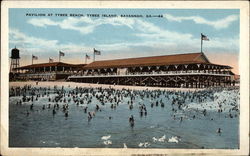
{"points": [[59, 57], [86, 59], [201, 42], [94, 55]]}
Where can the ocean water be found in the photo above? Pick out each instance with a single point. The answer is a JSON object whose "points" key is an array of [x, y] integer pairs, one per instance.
{"points": [[160, 128]]}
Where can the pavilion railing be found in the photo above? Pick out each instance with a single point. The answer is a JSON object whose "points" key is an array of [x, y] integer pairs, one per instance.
{"points": [[49, 72], [191, 72]]}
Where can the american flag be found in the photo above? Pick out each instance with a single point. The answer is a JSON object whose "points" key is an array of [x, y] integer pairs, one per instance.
{"points": [[51, 60], [34, 57], [204, 37], [87, 56], [61, 53], [97, 52]]}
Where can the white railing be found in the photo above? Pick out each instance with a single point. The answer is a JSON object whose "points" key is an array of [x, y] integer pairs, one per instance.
{"points": [[46, 73], [190, 72]]}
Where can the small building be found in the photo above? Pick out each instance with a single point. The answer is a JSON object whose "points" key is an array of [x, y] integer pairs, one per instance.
{"points": [[48, 71], [192, 70]]}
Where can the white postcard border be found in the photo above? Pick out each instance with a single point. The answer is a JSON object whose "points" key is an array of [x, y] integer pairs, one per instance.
{"points": [[244, 73]]}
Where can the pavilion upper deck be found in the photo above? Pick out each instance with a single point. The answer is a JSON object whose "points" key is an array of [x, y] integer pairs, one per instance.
{"points": [[192, 63]]}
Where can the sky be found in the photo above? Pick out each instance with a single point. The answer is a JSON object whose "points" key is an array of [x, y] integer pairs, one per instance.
{"points": [[175, 31]]}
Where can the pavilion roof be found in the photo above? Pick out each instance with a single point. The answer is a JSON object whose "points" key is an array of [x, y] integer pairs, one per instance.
{"points": [[189, 58]]}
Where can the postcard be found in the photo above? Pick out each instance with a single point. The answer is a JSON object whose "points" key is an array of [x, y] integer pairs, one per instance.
{"points": [[124, 78]]}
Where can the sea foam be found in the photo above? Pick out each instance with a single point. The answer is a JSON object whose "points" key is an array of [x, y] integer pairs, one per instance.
{"points": [[174, 139], [107, 142], [161, 139], [145, 144], [124, 145], [106, 137]]}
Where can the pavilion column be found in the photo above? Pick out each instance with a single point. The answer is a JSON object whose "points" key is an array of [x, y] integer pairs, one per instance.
{"points": [[186, 69], [99, 71], [176, 66], [112, 70], [44, 69], [198, 67], [149, 69], [50, 68], [55, 68], [63, 69]]}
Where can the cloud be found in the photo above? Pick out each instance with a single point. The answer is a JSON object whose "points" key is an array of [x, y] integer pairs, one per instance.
{"points": [[42, 22], [18, 37], [44, 48], [84, 25], [142, 29], [218, 24], [39, 46], [149, 34]]}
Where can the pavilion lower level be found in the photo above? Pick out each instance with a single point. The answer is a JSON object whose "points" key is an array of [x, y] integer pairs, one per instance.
{"points": [[160, 80]]}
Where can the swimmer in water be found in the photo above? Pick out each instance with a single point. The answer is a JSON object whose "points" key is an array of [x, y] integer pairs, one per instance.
{"points": [[31, 106], [66, 114], [54, 112], [131, 121], [219, 130]]}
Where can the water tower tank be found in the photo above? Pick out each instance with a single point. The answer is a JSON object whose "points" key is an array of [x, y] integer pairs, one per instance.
{"points": [[15, 53]]}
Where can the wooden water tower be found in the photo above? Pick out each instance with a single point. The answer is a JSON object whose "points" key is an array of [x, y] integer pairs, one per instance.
{"points": [[14, 60]]}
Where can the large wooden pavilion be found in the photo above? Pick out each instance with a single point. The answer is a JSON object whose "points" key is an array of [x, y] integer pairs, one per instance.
{"points": [[192, 70]]}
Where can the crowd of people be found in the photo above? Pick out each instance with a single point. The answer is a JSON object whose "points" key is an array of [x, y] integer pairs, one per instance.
{"points": [[180, 102]]}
